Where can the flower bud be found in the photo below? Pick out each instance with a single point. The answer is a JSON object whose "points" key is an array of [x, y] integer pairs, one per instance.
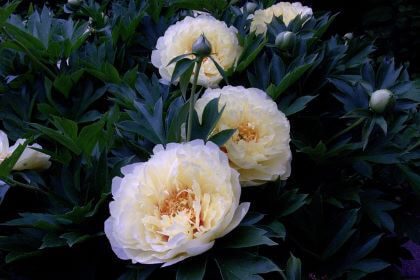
{"points": [[251, 7], [201, 46], [285, 40], [74, 3], [348, 36], [380, 100]]}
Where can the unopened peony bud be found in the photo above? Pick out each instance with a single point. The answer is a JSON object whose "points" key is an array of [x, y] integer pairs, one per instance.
{"points": [[285, 40], [380, 100], [348, 36], [201, 46], [251, 7], [74, 2]]}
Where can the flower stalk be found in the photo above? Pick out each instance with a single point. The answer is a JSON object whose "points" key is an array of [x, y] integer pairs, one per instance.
{"points": [[192, 97]]}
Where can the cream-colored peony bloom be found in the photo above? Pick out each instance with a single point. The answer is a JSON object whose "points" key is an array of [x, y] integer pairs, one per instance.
{"points": [[259, 150], [30, 158], [174, 205], [286, 9], [179, 38]]}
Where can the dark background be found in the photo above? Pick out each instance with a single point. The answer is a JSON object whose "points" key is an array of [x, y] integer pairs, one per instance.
{"points": [[393, 24]]}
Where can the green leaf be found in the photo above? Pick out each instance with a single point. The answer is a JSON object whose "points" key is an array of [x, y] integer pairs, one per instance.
{"points": [[298, 105], [174, 131], [413, 177], [252, 47], [7, 10], [220, 69], [381, 122], [366, 131], [178, 58], [58, 136], [290, 202], [342, 235], [294, 268], [42, 221], [15, 256], [7, 165], [63, 84], [3, 190], [377, 210], [277, 229], [288, 80], [183, 66], [73, 238], [51, 240], [370, 265], [243, 265], [247, 236], [222, 137], [213, 7], [192, 269], [89, 136], [66, 126], [209, 119], [362, 251], [139, 273], [184, 81], [154, 120]]}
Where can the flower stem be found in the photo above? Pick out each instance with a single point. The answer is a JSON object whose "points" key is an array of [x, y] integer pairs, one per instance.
{"points": [[282, 275], [412, 147], [356, 123], [192, 97], [15, 183]]}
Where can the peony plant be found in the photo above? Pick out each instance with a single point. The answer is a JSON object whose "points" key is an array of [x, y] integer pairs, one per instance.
{"points": [[201, 140]]}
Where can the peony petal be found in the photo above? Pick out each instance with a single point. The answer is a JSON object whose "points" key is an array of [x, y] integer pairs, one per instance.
{"points": [[237, 218]]}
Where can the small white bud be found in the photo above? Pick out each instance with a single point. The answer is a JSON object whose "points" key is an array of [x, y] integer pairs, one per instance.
{"points": [[380, 100]]}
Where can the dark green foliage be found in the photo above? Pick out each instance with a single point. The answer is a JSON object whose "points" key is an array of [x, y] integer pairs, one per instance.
{"points": [[78, 79]]}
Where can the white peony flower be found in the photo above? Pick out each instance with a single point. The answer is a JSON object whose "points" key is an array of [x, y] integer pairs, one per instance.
{"points": [[174, 205], [286, 9], [179, 38], [29, 159], [259, 150]]}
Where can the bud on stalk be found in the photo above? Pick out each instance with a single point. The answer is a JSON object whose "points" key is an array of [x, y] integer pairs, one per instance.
{"points": [[201, 47], [380, 100], [74, 3]]}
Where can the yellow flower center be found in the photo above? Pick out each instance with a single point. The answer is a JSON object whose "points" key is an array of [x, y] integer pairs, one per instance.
{"points": [[181, 202], [178, 202], [246, 131]]}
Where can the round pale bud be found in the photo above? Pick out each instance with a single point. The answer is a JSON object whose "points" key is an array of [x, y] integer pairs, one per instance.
{"points": [[380, 100], [74, 2], [251, 7], [285, 40], [201, 46], [348, 36]]}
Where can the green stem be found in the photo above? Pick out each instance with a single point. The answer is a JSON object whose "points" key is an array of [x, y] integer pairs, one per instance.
{"points": [[15, 183], [28, 52], [192, 98], [412, 147], [356, 123], [282, 275]]}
